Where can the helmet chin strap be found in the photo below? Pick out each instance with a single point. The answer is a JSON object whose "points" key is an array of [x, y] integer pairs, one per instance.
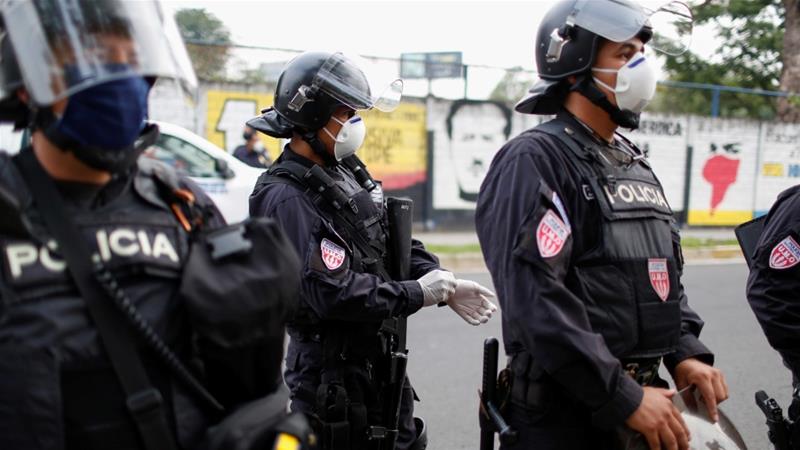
{"points": [[622, 117], [319, 148]]}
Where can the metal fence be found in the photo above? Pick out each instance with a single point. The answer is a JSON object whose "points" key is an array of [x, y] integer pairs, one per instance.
{"points": [[716, 171], [262, 65]]}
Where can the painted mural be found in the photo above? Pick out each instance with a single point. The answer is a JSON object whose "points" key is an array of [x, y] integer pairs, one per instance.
{"points": [[735, 168]]}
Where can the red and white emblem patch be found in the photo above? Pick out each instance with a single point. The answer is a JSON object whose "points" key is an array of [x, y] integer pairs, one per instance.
{"points": [[659, 277], [785, 255], [551, 234], [332, 254]]}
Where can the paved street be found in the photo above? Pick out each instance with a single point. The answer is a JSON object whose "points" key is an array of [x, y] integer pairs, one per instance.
{"points": [[445, 362]]}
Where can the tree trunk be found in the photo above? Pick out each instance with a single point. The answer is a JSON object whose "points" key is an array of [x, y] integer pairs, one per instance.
{"points": [[789, 108]]}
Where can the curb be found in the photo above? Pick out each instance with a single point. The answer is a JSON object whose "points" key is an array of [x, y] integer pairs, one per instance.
{"points": [[463, 262], [721, 252], [473, 262]]}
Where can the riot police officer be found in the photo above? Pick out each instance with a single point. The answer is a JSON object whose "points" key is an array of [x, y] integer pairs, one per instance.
{"points": [[580, 242], [103, 304], [772, 287], [335, 214]]}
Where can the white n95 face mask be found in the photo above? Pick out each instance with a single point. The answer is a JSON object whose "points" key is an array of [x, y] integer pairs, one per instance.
{"points": [[349, 138], [636, 84]]}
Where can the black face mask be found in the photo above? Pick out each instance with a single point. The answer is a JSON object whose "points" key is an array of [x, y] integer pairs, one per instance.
{"points": [[247, 135]]}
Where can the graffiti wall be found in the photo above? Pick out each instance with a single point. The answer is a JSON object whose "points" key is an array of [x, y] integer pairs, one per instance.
{"points": [[735, 169], [395, 149], [778, 165], [663, 139], [467, 134], [226, 113], [715, 172], [723, 171]]}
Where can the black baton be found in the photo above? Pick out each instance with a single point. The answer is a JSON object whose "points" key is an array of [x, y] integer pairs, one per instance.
{"points": [[490, 419]]}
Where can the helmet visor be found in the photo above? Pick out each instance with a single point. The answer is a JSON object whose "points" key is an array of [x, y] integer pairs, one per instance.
{"points": [[358, 84], [620, 20], [65, 46]]}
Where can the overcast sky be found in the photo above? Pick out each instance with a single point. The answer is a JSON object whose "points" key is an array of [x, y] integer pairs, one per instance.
{"points": [[497, 33], [491, 33]]}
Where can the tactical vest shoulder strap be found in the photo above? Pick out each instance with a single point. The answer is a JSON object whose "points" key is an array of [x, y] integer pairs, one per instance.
{"points": [[360, 172], [328, 195], [572, 140], [161, 185], [580, 145], [567, 136]]}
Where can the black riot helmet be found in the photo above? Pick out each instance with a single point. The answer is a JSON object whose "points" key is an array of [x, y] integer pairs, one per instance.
{"points": [[303, 98], [89, 52], [570, 34], [564, 48], [313, 85]]}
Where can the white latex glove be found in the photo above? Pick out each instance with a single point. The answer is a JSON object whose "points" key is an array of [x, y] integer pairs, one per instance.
{"points": [[437, 286], [471, 302]]}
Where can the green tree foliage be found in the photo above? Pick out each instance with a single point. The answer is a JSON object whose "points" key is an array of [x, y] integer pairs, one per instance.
{"points": [[210, 58], [750, 55]]}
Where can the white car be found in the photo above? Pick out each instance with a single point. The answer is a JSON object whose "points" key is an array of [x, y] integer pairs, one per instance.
{"points": [[224, 178]]}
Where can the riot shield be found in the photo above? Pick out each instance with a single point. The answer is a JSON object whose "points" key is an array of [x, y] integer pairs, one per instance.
{"points": [[706, 434]]}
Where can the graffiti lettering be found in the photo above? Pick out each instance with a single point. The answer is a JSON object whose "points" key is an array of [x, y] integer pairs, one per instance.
{"points": [[661, 128], [775, 136], [379, 143]]}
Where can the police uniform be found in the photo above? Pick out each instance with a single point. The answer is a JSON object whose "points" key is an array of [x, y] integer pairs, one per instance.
{"points": [[57, 385], [580, 243], [773, 287], [253, 158], [343, 300], [130, 316]]}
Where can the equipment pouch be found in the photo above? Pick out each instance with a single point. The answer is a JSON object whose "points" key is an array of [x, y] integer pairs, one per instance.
{"points": [[241, 282], [505, 381], [260, 424]]}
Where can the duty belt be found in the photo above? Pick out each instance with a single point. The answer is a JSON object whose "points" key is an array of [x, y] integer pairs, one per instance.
{"points": [[643, 371], [533, 392]]}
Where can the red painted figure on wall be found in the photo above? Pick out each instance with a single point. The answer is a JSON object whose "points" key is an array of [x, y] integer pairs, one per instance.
{"points": [[721, 171]]}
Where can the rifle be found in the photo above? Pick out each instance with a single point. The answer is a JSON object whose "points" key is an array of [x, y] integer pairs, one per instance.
{"points": [[778, 425], [489, 416], [400, 214]]}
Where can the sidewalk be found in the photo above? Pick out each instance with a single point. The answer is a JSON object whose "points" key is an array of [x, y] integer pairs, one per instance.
{"points": [[458, 238], [472, 260]]}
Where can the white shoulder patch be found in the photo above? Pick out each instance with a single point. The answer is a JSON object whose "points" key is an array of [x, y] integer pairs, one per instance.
{"points": [[332, 254], [785, 255], [551, 234]]}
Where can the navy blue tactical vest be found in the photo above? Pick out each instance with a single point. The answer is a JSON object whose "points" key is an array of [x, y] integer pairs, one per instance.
{"points": [[57, 387], [630, 279]]}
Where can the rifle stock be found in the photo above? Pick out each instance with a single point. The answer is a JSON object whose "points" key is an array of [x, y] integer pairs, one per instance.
{"points": [[400, 214]]}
